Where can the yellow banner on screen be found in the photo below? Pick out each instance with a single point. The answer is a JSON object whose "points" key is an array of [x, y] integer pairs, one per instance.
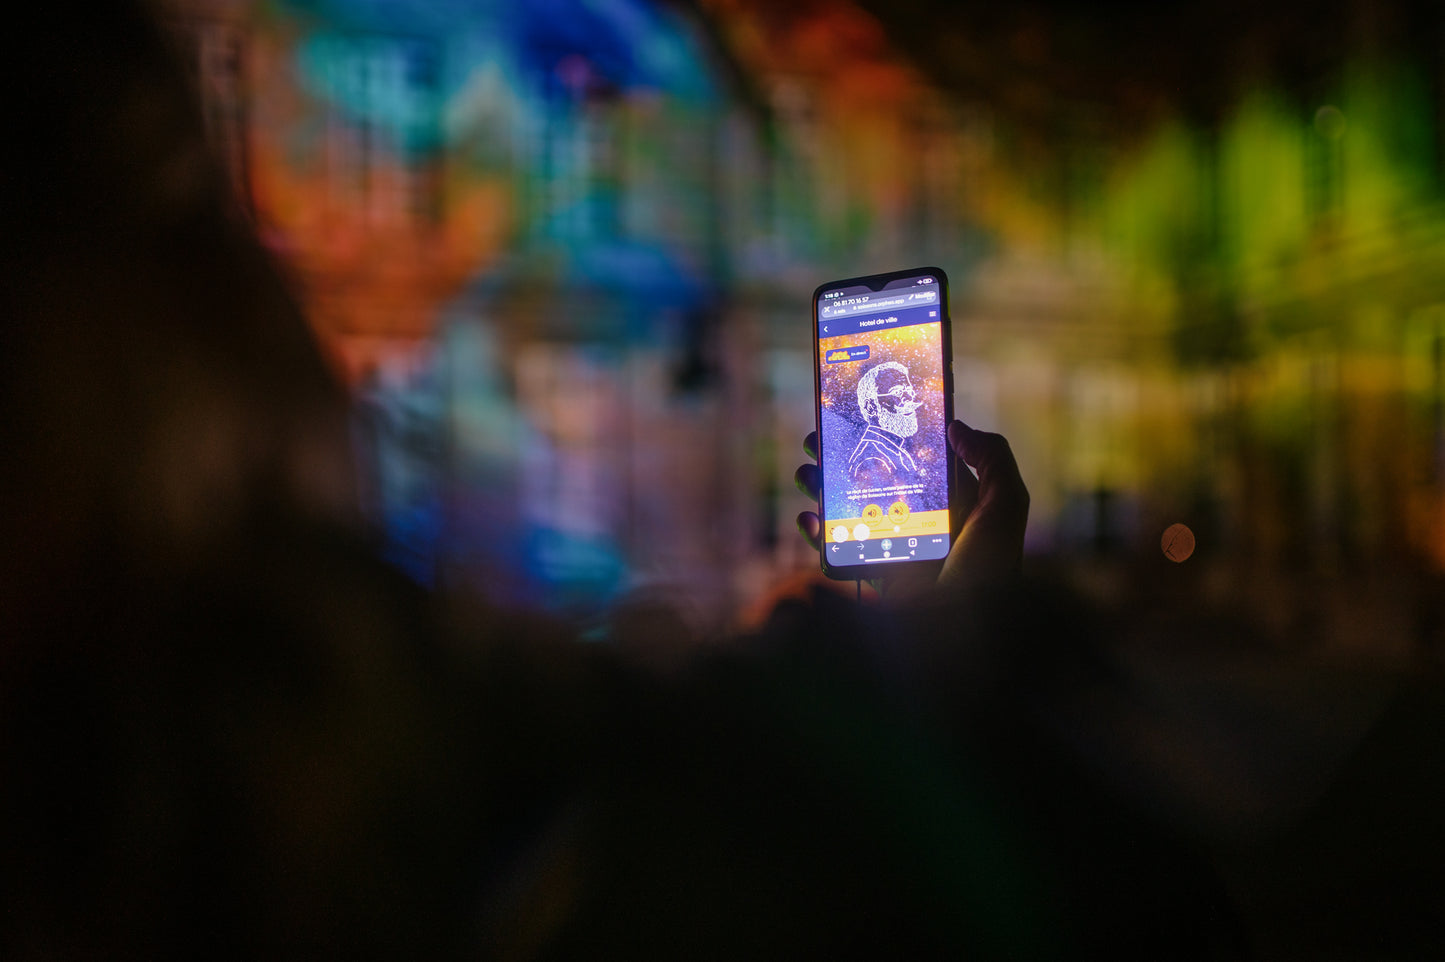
{"points": [[886, 521]]}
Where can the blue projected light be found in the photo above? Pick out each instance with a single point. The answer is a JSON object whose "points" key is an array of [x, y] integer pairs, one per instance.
{"points": [[543, 44]]}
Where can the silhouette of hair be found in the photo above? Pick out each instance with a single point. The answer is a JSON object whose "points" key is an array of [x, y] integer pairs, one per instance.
{"points": [[868, 386]]}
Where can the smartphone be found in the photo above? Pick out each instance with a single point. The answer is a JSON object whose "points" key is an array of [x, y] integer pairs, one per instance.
{"points": [[883, 362]]}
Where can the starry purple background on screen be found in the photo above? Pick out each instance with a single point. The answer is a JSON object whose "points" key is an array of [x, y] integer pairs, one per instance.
{"points": [[918, 347]]}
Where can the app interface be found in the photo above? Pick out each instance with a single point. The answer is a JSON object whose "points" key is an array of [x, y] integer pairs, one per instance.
{"points": [[881, 426]]}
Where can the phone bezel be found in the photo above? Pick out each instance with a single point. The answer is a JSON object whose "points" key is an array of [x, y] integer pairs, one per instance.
{"points": [[876, 282]]}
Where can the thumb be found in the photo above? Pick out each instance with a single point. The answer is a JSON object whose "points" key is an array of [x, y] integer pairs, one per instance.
{"points": [[990, 545]]}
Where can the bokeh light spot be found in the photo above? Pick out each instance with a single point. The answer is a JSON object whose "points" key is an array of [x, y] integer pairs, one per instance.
{"points": [[1177, 543]]}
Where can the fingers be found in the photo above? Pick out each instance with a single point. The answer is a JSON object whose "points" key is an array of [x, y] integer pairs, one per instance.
{"points": [[990, 545], [809, 480], [811, 529]]}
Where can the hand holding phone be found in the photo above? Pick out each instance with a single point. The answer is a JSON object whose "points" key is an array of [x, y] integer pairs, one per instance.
{"points": [[883, 382], [993, 507], [885, 430]]}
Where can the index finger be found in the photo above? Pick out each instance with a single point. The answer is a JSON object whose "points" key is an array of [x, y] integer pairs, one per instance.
{"points": [[810, 445]]}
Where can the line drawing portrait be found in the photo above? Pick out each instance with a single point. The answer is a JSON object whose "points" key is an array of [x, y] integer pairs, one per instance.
{"points": [[890, 406]]}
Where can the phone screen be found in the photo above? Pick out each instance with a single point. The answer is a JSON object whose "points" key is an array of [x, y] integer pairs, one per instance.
{"points": [[885, 397]]}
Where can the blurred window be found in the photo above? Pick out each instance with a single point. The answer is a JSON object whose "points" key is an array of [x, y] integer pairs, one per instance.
{"points": [[1323, 166], [384, 129], [579, 182]]}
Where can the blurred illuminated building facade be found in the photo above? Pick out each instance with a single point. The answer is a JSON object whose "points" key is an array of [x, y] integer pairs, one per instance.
{"points": [[562, 251]]}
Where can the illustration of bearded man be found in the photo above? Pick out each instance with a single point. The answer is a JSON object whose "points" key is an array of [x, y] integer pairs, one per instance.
{"points": [[890, 406]]}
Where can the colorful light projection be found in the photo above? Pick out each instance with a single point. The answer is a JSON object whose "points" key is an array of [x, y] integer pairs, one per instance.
{"points": [[1215, 320]]}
